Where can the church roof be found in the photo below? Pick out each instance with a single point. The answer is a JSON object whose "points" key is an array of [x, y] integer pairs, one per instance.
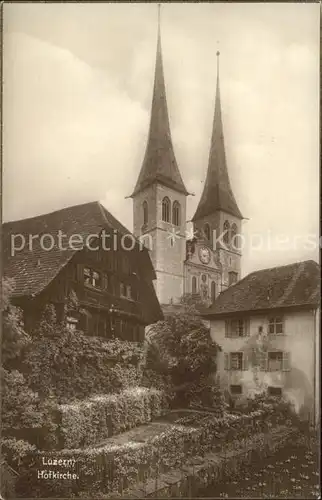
{"points": [[293, 285], [217, 193], [159, 164], [34, 267]]}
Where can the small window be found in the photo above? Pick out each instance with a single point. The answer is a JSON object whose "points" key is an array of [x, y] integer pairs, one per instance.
{"points": [[166, 206], [236, 389], [122, 290], [129, 292], [194, 284], [145, 213], [275, 325], [232, 276], [106, 281], [274, 391], [71, 323], [275, 361], [176, 213], [92, 278], [87, 276], [206, 229], [97, 279], [226, 235], [236, 360]]}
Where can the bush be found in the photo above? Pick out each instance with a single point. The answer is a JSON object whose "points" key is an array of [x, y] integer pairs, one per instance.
{"points": [[93, 420], [72, 365], [181, 358]]}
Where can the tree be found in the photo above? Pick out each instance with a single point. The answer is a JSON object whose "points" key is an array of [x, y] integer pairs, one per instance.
{"points": [[181, 346], [14, 338]]}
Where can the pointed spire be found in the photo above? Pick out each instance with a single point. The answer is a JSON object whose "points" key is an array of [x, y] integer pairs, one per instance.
{"points": [[159, 164], [217, 193]]}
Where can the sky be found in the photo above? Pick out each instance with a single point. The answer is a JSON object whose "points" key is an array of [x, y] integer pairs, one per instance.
{"points": [[77, 95]]}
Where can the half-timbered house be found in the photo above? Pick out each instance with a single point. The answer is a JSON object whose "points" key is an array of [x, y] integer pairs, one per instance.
{"points": [[88, 265]]}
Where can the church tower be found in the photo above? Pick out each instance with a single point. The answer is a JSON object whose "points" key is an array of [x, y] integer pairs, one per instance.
{"points": [[218, 218], [159, 196]]}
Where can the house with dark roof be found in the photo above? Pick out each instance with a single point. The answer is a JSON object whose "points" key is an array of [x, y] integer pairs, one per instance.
{"points": [[268, 327], [81, 255]]}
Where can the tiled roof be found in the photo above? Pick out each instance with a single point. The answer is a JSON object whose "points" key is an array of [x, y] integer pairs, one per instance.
{"points": [[34, 267], [159, 164], [217, 193], [292, 285]]}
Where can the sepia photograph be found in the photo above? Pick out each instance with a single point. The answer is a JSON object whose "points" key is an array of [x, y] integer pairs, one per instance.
{"points": [[160, 331]]}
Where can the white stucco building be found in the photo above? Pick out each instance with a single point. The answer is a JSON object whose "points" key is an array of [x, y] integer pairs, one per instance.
{"points": [[268, 327]]}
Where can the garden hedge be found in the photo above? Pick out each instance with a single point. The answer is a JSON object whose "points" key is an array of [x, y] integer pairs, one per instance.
{"points": [[92, 420]]}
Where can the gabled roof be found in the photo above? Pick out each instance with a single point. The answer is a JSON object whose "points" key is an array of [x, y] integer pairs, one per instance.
{"points": [[159, 164], [292, 285], [217, 193], [33, 268]]}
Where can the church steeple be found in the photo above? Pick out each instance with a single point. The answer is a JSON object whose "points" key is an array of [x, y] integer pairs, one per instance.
{"points": [[217, 193], [159, 164]]}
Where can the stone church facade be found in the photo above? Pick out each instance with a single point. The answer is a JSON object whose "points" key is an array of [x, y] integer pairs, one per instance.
{"points": [[210, 261]]}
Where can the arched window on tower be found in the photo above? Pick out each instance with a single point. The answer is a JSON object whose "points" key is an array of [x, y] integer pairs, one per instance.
{"points": [[213, 291], [226, 236], [176, 213], [206, 230], [166, 206], [234, 236], [145, 213], [194, 285]]}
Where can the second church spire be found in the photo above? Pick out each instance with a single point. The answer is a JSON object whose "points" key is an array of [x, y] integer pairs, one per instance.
{"points": [[217, 193]]}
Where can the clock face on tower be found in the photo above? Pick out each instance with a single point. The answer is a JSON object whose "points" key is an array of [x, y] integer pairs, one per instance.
{"points": [[204, 255]]}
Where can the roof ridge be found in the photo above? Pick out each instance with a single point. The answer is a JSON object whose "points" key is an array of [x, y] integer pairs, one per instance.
{"points": [[49, 213], [298, 262]]}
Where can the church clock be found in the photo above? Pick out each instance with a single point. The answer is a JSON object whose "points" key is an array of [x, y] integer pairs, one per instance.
{"points": [[204, 255]]}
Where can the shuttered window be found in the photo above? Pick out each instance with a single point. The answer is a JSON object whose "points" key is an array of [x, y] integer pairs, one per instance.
{"points": [[237, 328], [276, 325], [275, 361], [235, 361]]}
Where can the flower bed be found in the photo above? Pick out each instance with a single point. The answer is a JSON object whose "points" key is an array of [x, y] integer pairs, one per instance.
{"points": [[110, 467], [93, 420]]}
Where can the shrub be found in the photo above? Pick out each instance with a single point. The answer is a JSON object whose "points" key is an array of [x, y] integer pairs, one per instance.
{"points": [[182, 356], [72, 365], [93, 420]]}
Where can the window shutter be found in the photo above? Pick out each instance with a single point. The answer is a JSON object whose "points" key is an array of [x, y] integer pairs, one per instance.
{"points": [[227, 328], [226, 361], [286, 362], [247, 326], [80, 274], [245, 361]]}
